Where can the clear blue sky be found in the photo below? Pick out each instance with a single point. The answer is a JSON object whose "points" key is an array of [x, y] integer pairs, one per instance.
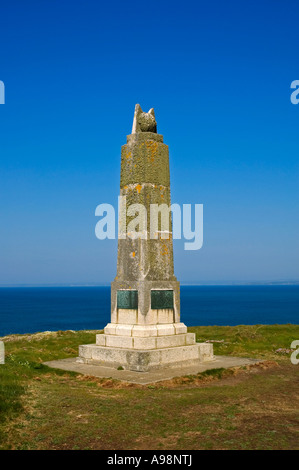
{"points": [[218, 75]]}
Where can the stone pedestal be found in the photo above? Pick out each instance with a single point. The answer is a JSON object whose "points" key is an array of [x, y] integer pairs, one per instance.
{"points": [[143, 360], [145, 331]]}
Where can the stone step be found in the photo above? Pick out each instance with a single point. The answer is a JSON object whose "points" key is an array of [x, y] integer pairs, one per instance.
{"points": [[142, 361], [153, 342], [166, 329]]}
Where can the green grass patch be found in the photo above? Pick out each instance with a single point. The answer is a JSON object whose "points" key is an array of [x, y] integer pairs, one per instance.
{"points": [[248, 340]]}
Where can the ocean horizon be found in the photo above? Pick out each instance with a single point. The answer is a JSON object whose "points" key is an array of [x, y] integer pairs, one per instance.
{"points": [[34, 309]]}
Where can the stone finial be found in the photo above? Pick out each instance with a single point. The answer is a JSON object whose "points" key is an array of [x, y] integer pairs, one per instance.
{"points": [[144, 122]]}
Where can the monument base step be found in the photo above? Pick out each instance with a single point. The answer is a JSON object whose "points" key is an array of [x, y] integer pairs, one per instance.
{"points": [[145, 360], [151, 342], [159, 329]]}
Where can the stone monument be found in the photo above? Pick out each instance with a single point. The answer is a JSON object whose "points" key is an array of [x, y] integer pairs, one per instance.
{"points": [[145, 331]]}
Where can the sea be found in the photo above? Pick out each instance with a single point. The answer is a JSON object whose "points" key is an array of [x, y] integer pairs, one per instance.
{"points": [[35, 309]]}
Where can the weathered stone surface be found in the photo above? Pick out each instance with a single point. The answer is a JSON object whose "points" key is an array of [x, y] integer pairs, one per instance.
{"points": [[144, 330], [127, 316], [166, 339], [180, 328], [205, 351], [144, 161]]}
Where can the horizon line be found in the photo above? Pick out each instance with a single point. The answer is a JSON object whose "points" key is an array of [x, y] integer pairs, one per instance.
{"points": [[195, 284]]}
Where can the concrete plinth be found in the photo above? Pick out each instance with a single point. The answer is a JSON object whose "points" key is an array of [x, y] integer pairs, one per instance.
{"points": [[146, 360], [149, 377]]}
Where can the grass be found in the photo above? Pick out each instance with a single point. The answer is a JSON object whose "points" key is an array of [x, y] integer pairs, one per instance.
{"points": [[252, 407], [248, 340]]}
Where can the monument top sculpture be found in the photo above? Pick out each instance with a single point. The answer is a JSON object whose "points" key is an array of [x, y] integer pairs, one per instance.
{"points": [[144, 122]]}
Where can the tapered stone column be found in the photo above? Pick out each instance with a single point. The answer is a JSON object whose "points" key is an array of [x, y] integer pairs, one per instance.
{"points": [[145, 331]]}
